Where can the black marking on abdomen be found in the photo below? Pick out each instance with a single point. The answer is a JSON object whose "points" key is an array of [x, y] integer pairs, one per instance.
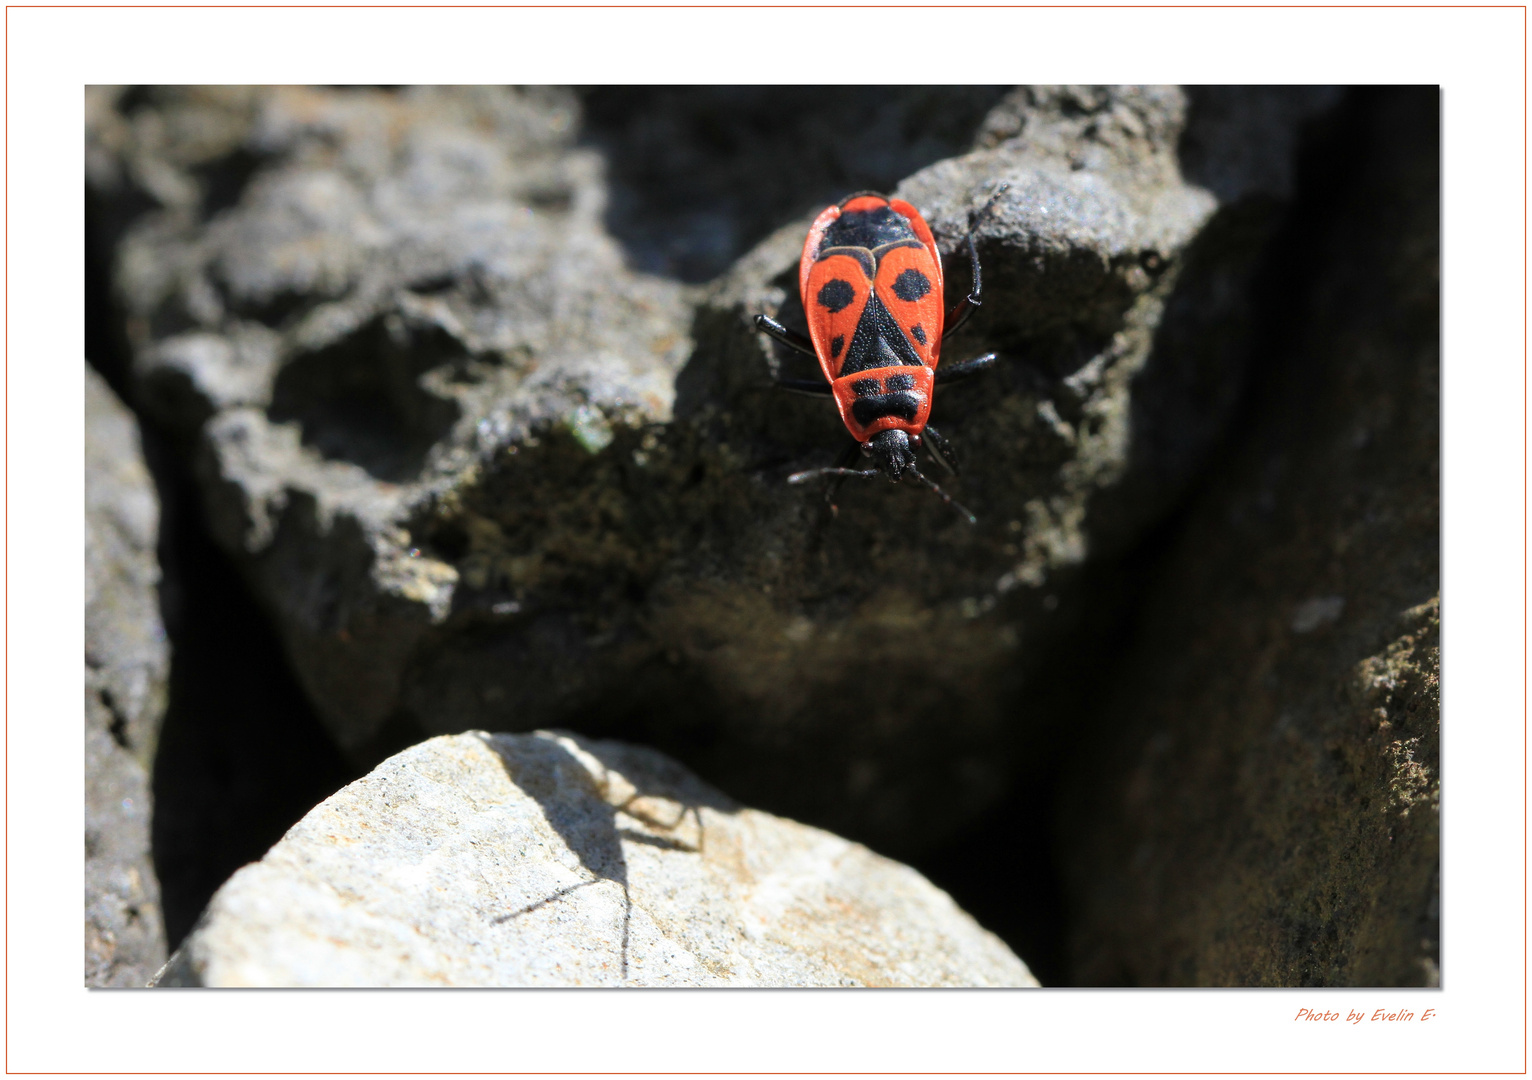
{"points": [[878, 342], [903, 405], [867, 229]]}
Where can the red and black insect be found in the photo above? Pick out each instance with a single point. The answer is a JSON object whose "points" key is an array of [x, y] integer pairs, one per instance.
{"points": [[871, 282]]}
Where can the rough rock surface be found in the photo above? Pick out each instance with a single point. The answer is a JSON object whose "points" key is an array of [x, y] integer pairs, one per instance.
{"points": [[1260, 802], [549, 860], [126, 663], [485, 475]]}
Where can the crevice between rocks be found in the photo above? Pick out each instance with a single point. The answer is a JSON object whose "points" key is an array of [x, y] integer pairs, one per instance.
{"points": [[241, 754]]}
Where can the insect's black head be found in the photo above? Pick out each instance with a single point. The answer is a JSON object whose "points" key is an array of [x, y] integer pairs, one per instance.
{"points": [[891, 452]]}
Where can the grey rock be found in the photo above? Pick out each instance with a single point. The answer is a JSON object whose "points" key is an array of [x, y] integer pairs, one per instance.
{"points": [[126, 665], [485, 475], [1257, 802], [407, 285], [550, 860]]}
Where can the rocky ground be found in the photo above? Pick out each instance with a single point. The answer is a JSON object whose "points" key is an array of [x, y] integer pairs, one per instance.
{"points": [[459, 423], [126, 664]]}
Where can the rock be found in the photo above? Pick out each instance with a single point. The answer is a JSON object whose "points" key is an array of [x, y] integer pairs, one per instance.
{"points": [[352, 309], [486, 475], [126, 665], [698, 175], [1257, 803], [551, 860]]}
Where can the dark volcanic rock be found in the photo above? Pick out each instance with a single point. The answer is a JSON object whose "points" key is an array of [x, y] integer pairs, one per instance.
{"points": [[1258, 804], [487, 475], [126, 662]]}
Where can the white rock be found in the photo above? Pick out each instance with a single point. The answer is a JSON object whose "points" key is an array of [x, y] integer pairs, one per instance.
{"points": [[551, 860]]}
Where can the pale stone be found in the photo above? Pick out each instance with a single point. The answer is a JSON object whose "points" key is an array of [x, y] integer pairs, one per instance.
{"points": [[551, 860]]}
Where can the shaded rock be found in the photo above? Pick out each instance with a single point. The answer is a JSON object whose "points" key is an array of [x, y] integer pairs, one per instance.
{"points": [[126, 663], [1258, 803], [550, 860], [485, 475], [698, 175]]}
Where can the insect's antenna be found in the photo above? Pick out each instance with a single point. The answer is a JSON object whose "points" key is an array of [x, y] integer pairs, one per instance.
{"points": [[985, 209], [948, 499], [809, 474]]}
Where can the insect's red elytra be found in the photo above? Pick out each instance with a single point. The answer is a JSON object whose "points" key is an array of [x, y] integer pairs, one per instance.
{"points": [[871, 282]]}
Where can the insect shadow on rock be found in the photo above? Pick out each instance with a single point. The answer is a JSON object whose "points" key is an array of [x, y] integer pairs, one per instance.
{"points": [[585, 802], [871, 282]]}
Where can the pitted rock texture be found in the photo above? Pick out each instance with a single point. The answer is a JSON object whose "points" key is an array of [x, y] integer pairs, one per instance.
{"points": [[550, 860], [126, 664], [1258, 801], [485, 475], [349, 300]]}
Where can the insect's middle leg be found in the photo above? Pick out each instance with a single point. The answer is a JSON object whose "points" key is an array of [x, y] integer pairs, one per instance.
{"points": [[952, 373], [786, 335], [808, 387]]}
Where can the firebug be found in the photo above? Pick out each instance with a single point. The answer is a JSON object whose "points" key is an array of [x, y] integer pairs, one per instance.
{"points": [[872, 288]]}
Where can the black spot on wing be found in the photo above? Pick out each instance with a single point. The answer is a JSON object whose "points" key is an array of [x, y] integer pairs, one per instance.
{"points": [[918, 332], [838, 342], [911, 285], [836, 294]]}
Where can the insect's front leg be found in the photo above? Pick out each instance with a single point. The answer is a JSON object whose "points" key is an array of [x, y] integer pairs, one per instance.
{"points": [[839, 471], [941, 449]]}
